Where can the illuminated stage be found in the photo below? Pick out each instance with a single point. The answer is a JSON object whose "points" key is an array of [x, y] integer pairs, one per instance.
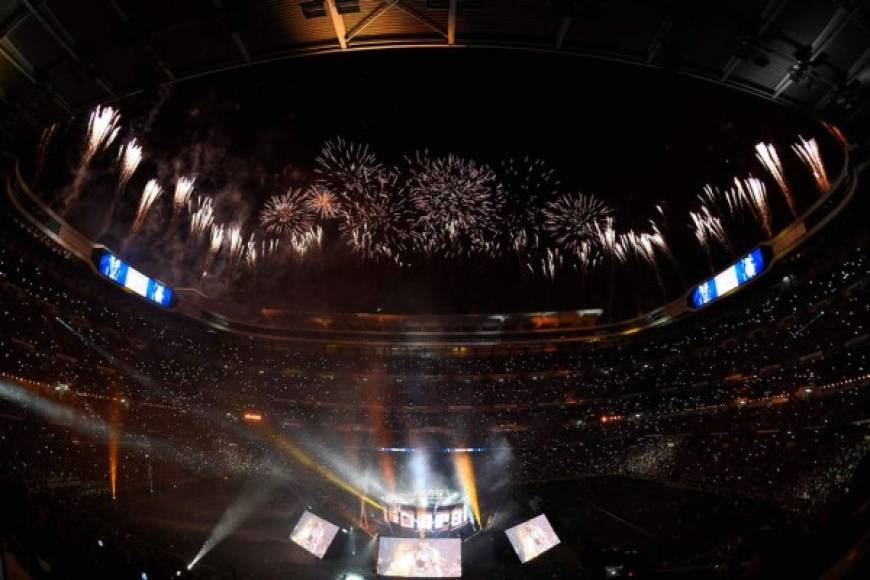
{"points": [[432, 511]]}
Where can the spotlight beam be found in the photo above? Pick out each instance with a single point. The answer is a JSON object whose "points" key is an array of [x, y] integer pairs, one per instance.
{"points": [[254, 494], [306, 460]]}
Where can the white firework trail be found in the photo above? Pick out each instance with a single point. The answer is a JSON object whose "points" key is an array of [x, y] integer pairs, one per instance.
{"points": [[708, 228], [550, 263], [623, 248], [607, 239], [216, 239], [201, 217], [767, 156], [588, 256], [42, 149], [729, 200], [183, 190], [102, 130], [269, 249], [235, 243], [808, 151], [129, 158], [660, 243], [149, 195], [754, 194], [644, 245], [103, 126], [645, 248], [657, 239], [252, 252], [302, 243]]}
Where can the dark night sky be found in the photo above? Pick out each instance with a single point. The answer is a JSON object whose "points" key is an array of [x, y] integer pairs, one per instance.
{"points": [[633, 137]]}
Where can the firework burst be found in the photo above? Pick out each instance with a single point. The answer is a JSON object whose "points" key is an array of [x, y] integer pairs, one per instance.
{"points": [[376, 223], [129, 158], [346, 167], [183, 190], [572, 220], [287, 215], [766, 154], [808, 151], [457, 201], [527, 184], [201, 216], [323, 202], [149, 195]]}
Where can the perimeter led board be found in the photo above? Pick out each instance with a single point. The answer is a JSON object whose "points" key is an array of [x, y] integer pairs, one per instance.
{"points": [[532, 538], [745, 269], [118, 271], [313, 534], [414, 558]]}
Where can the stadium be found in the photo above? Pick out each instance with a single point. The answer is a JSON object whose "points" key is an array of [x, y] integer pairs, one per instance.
{"points": [[350, 289]]}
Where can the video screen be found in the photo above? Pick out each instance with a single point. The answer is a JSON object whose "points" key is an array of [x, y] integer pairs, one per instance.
{"points": [[532, 538], [745, 269], [415, 558], [313, 534], [119, 271]]}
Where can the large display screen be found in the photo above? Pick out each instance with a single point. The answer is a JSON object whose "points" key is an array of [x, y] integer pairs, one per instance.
{"points": [[746, 268], [532, 538], [313, 534], [415, 558], [115, 269]]}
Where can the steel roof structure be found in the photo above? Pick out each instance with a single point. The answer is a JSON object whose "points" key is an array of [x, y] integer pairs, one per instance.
{"points": [[57, 57]]}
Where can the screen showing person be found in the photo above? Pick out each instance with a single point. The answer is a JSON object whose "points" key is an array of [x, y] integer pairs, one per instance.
{"points": [[313, 534], [532, 538], [415, 558]]}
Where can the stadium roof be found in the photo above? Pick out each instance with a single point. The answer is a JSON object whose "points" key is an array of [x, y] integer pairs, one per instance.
{"points": [[58, 57]]}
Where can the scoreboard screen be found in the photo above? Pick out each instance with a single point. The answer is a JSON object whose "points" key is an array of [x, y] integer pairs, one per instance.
{"points": [[118, 271], [745, 269]]}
